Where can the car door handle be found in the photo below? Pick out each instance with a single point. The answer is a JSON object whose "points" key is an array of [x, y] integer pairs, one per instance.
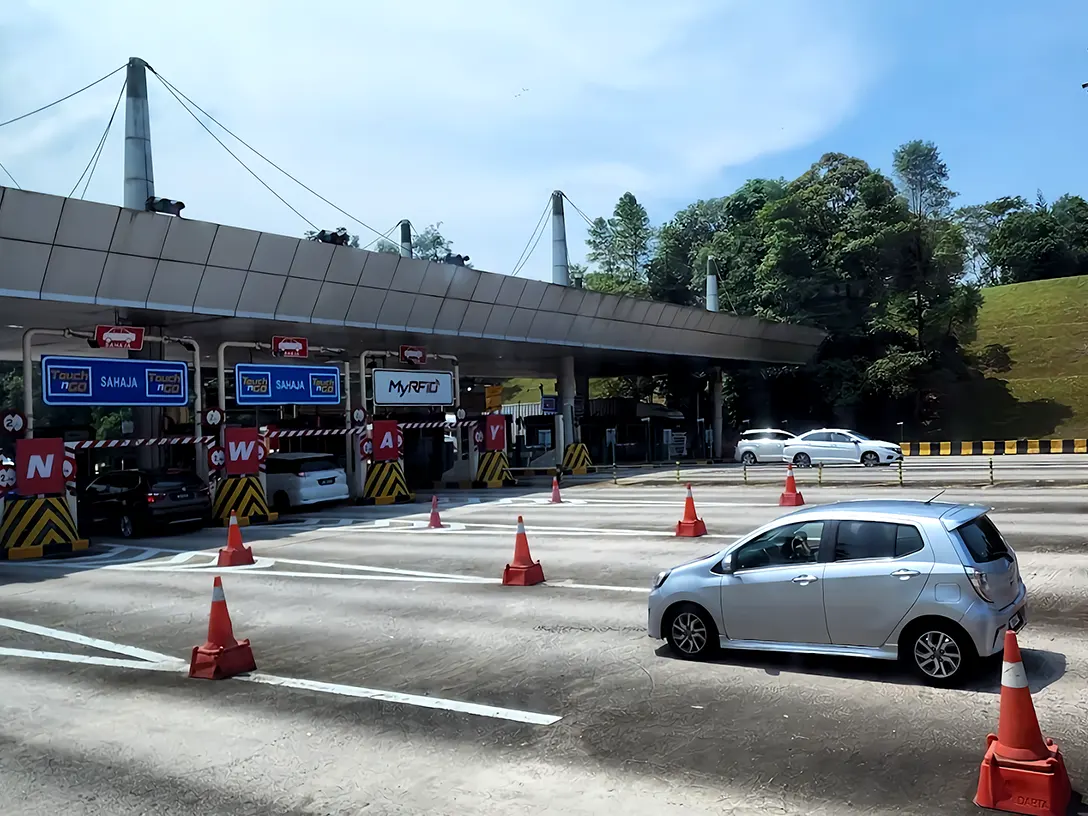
{"points": [[804, 579], [904, 574]]}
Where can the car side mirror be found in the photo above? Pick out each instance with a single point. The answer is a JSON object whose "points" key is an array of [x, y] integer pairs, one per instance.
{"points": [[728, 564]]}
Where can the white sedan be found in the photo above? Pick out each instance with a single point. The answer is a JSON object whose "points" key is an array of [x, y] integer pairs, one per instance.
{"points": [[761, 445], [835, 446]]}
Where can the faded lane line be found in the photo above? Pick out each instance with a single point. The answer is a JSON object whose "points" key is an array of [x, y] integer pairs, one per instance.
{"points": [[83, 640], [439, 703], [172, 665]]}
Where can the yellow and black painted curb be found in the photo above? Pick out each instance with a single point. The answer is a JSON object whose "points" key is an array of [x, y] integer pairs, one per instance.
{"points": [[385, 484], [494, 471], [37, 527], [1003, 447], [245, 496], [576, 459]]}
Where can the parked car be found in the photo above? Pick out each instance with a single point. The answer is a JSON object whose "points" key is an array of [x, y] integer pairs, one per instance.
{"points": [[835, 446], [932, 584], [132, 502], [761, 445], [300, 479]]}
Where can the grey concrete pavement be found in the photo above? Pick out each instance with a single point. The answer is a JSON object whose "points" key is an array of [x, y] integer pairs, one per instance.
{"points": [[341, 603]]}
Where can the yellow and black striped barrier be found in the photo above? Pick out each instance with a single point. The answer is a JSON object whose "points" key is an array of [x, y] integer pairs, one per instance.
{"points": [[576, 459], [385, 484], [494, 470], [1003, 447], [35, 528], [245, 496]]}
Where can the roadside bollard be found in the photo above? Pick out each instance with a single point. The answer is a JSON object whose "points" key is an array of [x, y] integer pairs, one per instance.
{"points": [[678, 470], [900, 472], [615, 480], [991, 470], [820, 474], [745, 469]]}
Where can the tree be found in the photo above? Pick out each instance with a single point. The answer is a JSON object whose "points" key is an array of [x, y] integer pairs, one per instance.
{"points": [[428, 244], [1041, 242], [923, 177], [978, 222], [620, 248]]}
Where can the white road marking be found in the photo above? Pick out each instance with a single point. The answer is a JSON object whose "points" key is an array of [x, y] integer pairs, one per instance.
{"points": [[604, 587], [83, 640], [171, 665], [439, 703], [164, 663]]}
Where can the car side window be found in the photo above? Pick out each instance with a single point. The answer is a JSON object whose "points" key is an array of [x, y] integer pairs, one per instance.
{"points": [[838, 437], [818, 437], [856, 540], [789, 545]]}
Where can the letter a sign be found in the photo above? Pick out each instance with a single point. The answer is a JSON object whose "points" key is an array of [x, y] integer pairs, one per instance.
{"points": [[386, 437], [241, 446], [39, 466]]}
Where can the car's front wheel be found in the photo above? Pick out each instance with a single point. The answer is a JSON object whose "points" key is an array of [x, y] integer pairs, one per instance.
{"points": [[691, 633], [748, 458], [940, 653]]}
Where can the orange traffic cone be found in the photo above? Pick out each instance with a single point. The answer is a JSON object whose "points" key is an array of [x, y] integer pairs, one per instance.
{"points": [[523, 570], [1022, 771], [436, 521], [790, 497], [556, 498], [691, 526], [222, 656], [235, 554]]}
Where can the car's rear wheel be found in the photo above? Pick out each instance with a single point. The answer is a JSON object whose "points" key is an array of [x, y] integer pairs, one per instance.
{"points": [[690, 632], [748, 458], [802, 460], [126, 527], [939, 652], [870, 459], [281, 501]]}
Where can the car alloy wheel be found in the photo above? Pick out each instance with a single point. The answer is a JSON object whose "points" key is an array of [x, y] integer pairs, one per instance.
{"points": [[748, 458], [802, 460], [870, 459], [937, 655], [690, 634]]}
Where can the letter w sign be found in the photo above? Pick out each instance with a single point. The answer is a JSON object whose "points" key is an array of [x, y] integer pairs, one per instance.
{"points": [[241, 445]]}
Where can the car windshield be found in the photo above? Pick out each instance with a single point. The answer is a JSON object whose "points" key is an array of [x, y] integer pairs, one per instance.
{"points": [[317, 464], [983, 540], [862, 437]]}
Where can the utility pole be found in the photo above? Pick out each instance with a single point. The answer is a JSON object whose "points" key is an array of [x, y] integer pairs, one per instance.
{"points": [[711, 285], [406, 238], [139, 173], [715, 378], [560, 259]]}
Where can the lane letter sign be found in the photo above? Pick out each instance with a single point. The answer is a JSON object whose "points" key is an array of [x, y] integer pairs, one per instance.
{"points": [[119, 337], [290, 346], [386, 439], [495, 432], [417, 355], [39, 466], [243, 458]]}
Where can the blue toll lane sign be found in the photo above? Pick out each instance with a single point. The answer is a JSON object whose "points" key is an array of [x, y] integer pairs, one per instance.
{"points": [[256, 384], [114, 382]]}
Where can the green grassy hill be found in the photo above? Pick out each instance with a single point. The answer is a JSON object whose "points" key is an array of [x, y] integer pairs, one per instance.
{"points": [[1033, 343]]}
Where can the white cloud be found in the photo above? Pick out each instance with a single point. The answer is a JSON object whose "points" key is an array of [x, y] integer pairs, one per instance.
{"points": [[417, 110]]}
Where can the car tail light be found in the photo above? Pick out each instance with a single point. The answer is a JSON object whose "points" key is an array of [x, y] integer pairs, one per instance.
{"points": [[979, 582], [154, 497]]}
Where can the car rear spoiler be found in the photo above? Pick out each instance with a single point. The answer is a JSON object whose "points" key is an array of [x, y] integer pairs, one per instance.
{"points": [[963, 514]]}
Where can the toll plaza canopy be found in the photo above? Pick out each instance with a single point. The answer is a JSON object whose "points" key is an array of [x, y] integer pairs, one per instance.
{"points": [[66, 263]]}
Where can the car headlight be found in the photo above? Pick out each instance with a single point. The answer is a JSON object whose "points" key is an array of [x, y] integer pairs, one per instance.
{"points": [[660, 579]]}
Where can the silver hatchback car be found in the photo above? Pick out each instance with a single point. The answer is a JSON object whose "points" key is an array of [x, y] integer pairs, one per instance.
{"points": [[933, 584]]}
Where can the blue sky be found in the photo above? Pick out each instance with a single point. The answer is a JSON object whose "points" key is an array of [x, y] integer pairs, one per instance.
{"points": [[426, 116]]}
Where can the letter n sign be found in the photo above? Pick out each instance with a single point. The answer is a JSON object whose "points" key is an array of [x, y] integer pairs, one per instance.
{"points": [[39, 466], [241, 447], [385, 439], [495, 432]]}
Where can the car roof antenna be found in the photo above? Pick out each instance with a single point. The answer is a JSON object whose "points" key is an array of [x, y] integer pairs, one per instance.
{"points": [[931, 500]]}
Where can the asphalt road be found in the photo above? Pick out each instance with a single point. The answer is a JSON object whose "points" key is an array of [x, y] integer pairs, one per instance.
{"points": [[396, 676]]}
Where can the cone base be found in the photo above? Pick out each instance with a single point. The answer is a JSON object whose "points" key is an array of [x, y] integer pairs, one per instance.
{"points": [[691, 529], [435, 524], [791, 500], [529, 575], [1039, 788], [555, 501], [218, 663], [238, 557]]}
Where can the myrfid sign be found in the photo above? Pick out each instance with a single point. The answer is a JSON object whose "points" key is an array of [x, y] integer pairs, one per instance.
{"points": [[393, 387]]}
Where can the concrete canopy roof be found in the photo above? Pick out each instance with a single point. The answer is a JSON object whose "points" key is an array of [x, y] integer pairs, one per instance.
{"points": [[66, 263]]}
